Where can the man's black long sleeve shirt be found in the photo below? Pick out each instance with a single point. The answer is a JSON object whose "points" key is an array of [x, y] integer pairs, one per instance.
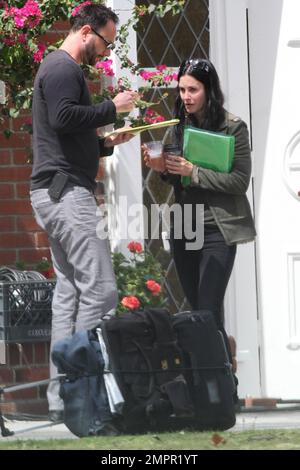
{"points": [[65, 123]]}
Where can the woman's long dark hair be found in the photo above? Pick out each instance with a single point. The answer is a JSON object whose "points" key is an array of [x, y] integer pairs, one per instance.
{"points": [[213, 112]]}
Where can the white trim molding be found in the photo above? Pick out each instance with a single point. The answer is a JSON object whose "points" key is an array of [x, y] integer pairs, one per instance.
{"points": [[2, 352], [2, 92], [218, 40], [124, 173], [294, 300]]}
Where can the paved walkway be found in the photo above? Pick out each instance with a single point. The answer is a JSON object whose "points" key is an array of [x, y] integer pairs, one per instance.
{"points": [[267, 420], [245, 421]]}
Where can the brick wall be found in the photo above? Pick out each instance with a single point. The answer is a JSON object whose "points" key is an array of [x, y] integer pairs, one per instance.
{"points": [[20, 237], [25, 363], [21, 240]]}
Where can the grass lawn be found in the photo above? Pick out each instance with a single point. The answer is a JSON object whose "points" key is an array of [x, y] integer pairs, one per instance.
{"points": [[184, 440]]}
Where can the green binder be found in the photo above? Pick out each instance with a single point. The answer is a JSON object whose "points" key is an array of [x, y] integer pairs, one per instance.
{"points": [[208, 149]]}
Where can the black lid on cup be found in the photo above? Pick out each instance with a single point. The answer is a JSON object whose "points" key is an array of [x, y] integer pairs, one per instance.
{"points": [[172, 148]]}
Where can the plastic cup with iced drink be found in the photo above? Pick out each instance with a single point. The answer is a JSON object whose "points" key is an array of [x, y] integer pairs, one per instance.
{"points": [[155, 151]]}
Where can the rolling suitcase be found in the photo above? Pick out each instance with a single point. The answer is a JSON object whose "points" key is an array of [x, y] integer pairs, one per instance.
{"points": [[207, 372]]}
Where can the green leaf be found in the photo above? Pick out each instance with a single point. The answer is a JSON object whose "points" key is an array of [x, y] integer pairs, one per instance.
{"points": [[7, 133], [151, 8], [13, 112]]}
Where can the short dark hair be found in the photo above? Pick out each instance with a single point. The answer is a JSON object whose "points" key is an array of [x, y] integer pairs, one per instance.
{"points": [[203, 71], [96, 16]]}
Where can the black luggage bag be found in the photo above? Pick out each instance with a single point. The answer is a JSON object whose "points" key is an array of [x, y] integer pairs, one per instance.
{"points": [[146, 371], [147, 365], [124, 376], [208, 371]]}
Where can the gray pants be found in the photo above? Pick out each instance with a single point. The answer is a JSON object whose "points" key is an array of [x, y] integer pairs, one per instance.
{"points": [[85, 289]]}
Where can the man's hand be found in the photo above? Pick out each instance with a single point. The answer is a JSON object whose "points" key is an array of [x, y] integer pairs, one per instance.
{"points": [[118, 139], [125, 101]]}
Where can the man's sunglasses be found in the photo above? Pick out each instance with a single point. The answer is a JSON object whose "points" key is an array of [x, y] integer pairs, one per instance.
{"points": [[108, 45]]}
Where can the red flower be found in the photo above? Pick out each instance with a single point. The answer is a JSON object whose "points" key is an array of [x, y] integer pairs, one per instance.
{"points": [[131, 302], [48, 273], [135, 247], [153, 287]]}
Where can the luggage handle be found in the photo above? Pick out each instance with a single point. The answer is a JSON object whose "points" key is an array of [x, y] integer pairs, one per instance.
{"points": [[160, 332], [150, 370]]}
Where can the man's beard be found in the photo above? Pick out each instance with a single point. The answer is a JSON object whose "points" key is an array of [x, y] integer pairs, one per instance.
{"points": [[89, 55]]}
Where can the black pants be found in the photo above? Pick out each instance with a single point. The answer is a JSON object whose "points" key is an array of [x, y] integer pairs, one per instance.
{"points": [[204, 273]]}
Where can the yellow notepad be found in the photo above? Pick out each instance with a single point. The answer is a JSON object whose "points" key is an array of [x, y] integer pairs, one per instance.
{"points": [[207, 149], [147, 127]]}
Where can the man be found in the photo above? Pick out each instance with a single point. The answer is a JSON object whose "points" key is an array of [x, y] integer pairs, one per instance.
{"points": [[66, 157]]}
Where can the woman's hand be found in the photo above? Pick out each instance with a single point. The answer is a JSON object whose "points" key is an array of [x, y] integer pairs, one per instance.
{"points": [[156, 164], [178, 165]]}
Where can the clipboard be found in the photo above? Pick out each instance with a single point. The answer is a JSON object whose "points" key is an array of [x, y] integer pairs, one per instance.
{"points": [[208, 149], [147, 127]]}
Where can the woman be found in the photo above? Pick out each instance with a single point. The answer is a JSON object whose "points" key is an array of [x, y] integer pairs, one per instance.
{"points": [[204, 273]]}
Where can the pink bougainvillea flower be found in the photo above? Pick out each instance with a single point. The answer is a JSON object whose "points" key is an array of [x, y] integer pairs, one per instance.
{"points": [[135, 247], [10, 41], [153, 287], [22, 38], [147, 75], [161, 67], [29, 15], [39, 54], [150, 112], [159, 118], [161, 76], [131, 302], [151, 117], [105, 66], [78, 8]]}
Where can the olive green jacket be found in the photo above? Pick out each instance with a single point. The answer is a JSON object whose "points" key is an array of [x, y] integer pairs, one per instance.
{"points": [[224, 193]]}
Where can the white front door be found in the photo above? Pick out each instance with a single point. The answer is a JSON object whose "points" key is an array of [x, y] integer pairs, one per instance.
{"points": [[275, 78], [229, 53], [254, 53]]}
